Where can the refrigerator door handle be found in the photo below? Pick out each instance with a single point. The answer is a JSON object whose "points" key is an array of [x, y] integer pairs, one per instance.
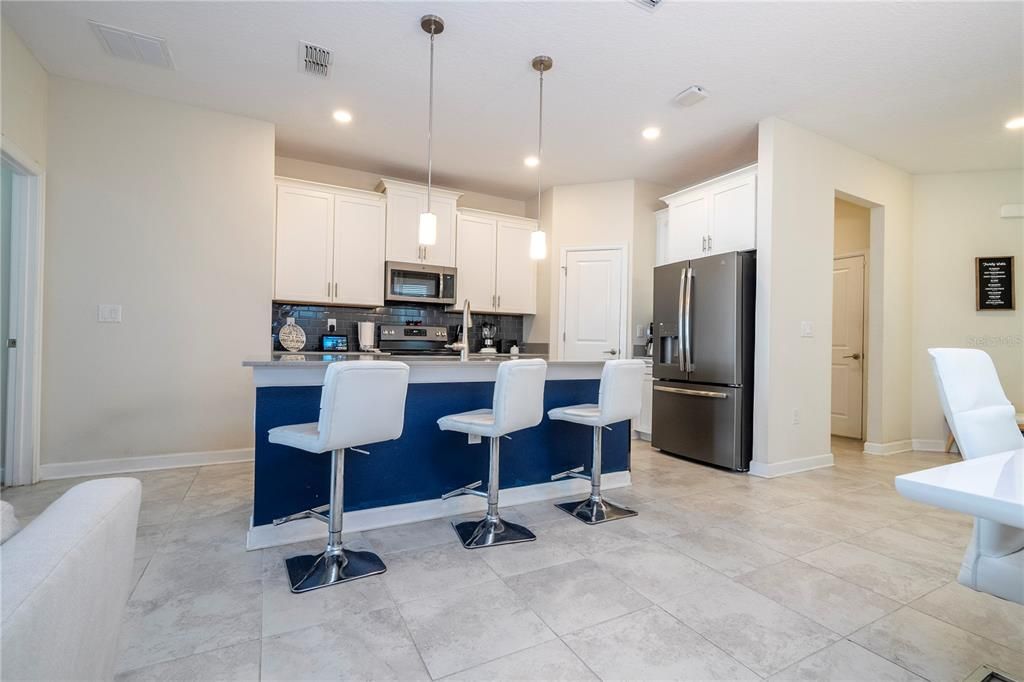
{"points": [[688, 321], [683, 360], [691, 391]]}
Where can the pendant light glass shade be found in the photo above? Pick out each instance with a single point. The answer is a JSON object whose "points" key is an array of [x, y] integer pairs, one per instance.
{"points": [[538, 245], [432, 24], [428, 229], [539, 240]]}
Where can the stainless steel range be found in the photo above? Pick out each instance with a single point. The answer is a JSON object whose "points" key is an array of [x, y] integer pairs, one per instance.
{"points": [[400, 339]]}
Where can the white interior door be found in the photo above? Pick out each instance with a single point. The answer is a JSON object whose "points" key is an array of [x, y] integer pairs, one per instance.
{"points": [[593, 307], [848, 346]]}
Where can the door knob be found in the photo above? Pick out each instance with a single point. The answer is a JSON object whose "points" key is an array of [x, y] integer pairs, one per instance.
{"points": [[612, 352], [855, 356]]}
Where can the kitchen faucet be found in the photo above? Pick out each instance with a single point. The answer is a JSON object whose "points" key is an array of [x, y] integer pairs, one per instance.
{"points": [[462, 345]]}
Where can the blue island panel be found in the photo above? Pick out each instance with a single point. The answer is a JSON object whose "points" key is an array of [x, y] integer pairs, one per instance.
{"points": [[425, 462]]}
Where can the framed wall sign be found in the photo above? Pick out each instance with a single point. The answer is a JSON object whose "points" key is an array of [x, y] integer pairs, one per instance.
{"points": [[994, 283]]}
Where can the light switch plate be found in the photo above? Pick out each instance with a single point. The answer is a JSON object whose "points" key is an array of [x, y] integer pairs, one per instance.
{"points": [[108, 312], [807, 329]]}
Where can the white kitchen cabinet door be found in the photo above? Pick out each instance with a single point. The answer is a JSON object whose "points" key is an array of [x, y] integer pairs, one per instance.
{"points": [[304, 245], [358, 250], [516, 271], [404, 207], [443, 252], [688, 227], [661, 237], [733, 205], [475, 262]]}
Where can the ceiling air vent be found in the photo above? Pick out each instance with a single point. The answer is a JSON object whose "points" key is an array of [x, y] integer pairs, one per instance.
{"points": [[315, 60], [136, 47], [648, 4]]}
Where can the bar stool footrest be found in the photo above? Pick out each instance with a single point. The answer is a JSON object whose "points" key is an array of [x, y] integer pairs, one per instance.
{"points": [[591, 511], [311, 571], [490, 532]]}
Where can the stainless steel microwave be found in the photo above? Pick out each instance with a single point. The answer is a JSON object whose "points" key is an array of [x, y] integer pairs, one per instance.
{"points": [[419, 283]]}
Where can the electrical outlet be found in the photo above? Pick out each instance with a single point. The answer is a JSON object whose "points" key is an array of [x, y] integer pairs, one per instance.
{"points": [[807, 329], [641, 331], [332, 324], [108, 312], [796, 416]]}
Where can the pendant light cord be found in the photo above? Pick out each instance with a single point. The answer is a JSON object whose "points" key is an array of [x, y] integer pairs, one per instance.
{"points": [[540, 137], [430, 122]]}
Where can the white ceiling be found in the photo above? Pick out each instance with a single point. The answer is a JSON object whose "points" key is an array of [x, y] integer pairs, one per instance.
{"points": [[924, 86]]}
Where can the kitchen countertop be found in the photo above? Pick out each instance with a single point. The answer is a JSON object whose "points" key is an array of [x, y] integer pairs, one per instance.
{"points": [[320, 359]]}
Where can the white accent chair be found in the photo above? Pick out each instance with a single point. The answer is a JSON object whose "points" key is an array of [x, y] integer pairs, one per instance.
{"points": [[619, 398], [518, 404], [984, 423], [361, 403], [66, 579]]}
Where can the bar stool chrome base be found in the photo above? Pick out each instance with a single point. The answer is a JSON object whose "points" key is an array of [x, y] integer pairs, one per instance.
{"points": [[591, 511], [490, 532], [311, 571]]}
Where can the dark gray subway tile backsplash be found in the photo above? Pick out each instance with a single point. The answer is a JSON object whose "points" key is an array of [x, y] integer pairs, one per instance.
{"points": [[313, 320]]}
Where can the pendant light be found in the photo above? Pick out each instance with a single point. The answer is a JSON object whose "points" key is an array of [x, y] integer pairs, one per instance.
{"points": [[432, 24], [539, 240]]}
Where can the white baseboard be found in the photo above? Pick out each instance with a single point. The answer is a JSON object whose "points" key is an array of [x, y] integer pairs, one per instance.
{"points": [[930, 445], [268, 535], [891, 448], [790, 466], [123, 465]]}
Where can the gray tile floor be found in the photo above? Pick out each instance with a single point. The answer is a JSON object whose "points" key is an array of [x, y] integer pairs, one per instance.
{"points": [[827, 574]]}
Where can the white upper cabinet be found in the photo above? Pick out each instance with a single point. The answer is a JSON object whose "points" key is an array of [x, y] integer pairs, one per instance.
{"points": [[733, 219], [495, 271], [477, 240], [716, 216], [304, 245], [329, 245], [516, 272], [661, 237], [359, 249], [405, 202]]}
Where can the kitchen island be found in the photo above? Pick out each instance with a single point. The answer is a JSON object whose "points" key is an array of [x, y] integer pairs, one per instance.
{"points": [[401, 481]]}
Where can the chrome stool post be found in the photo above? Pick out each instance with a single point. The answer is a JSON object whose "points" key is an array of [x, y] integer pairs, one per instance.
{"points": [[594, 509], [335, 564], [492, 529]]}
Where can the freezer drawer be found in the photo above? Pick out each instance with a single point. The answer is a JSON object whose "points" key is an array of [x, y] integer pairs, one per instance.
{"points": [[703, 422]]}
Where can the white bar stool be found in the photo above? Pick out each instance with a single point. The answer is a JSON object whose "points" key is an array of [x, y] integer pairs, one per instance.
{"points": [[618, 399], [518, 404], [361, 403]]}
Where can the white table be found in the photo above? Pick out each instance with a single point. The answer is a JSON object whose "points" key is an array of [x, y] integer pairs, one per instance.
{"points": [[989, 487]]}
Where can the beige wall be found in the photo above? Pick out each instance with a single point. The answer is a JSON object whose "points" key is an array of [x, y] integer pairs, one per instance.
{"points": [[799, 174], [620, 212], [852, 228], [167, 210], [357, 179], [23, 93], [956, 218]]}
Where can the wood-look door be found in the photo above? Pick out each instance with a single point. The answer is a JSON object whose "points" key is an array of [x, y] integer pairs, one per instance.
{"points": [[848, 346], [592, 305]]}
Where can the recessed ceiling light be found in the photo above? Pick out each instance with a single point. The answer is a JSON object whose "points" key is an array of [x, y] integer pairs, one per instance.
{"points": [[651, 133], [342, 116], [531, 161], [1015, 123]]}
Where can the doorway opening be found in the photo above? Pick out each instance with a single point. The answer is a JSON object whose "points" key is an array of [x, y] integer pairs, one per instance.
{"points": [[21, 293], [851, 250]]}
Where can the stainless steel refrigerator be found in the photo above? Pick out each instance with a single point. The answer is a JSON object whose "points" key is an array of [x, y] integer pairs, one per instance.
{"points": [[703, 401]]}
